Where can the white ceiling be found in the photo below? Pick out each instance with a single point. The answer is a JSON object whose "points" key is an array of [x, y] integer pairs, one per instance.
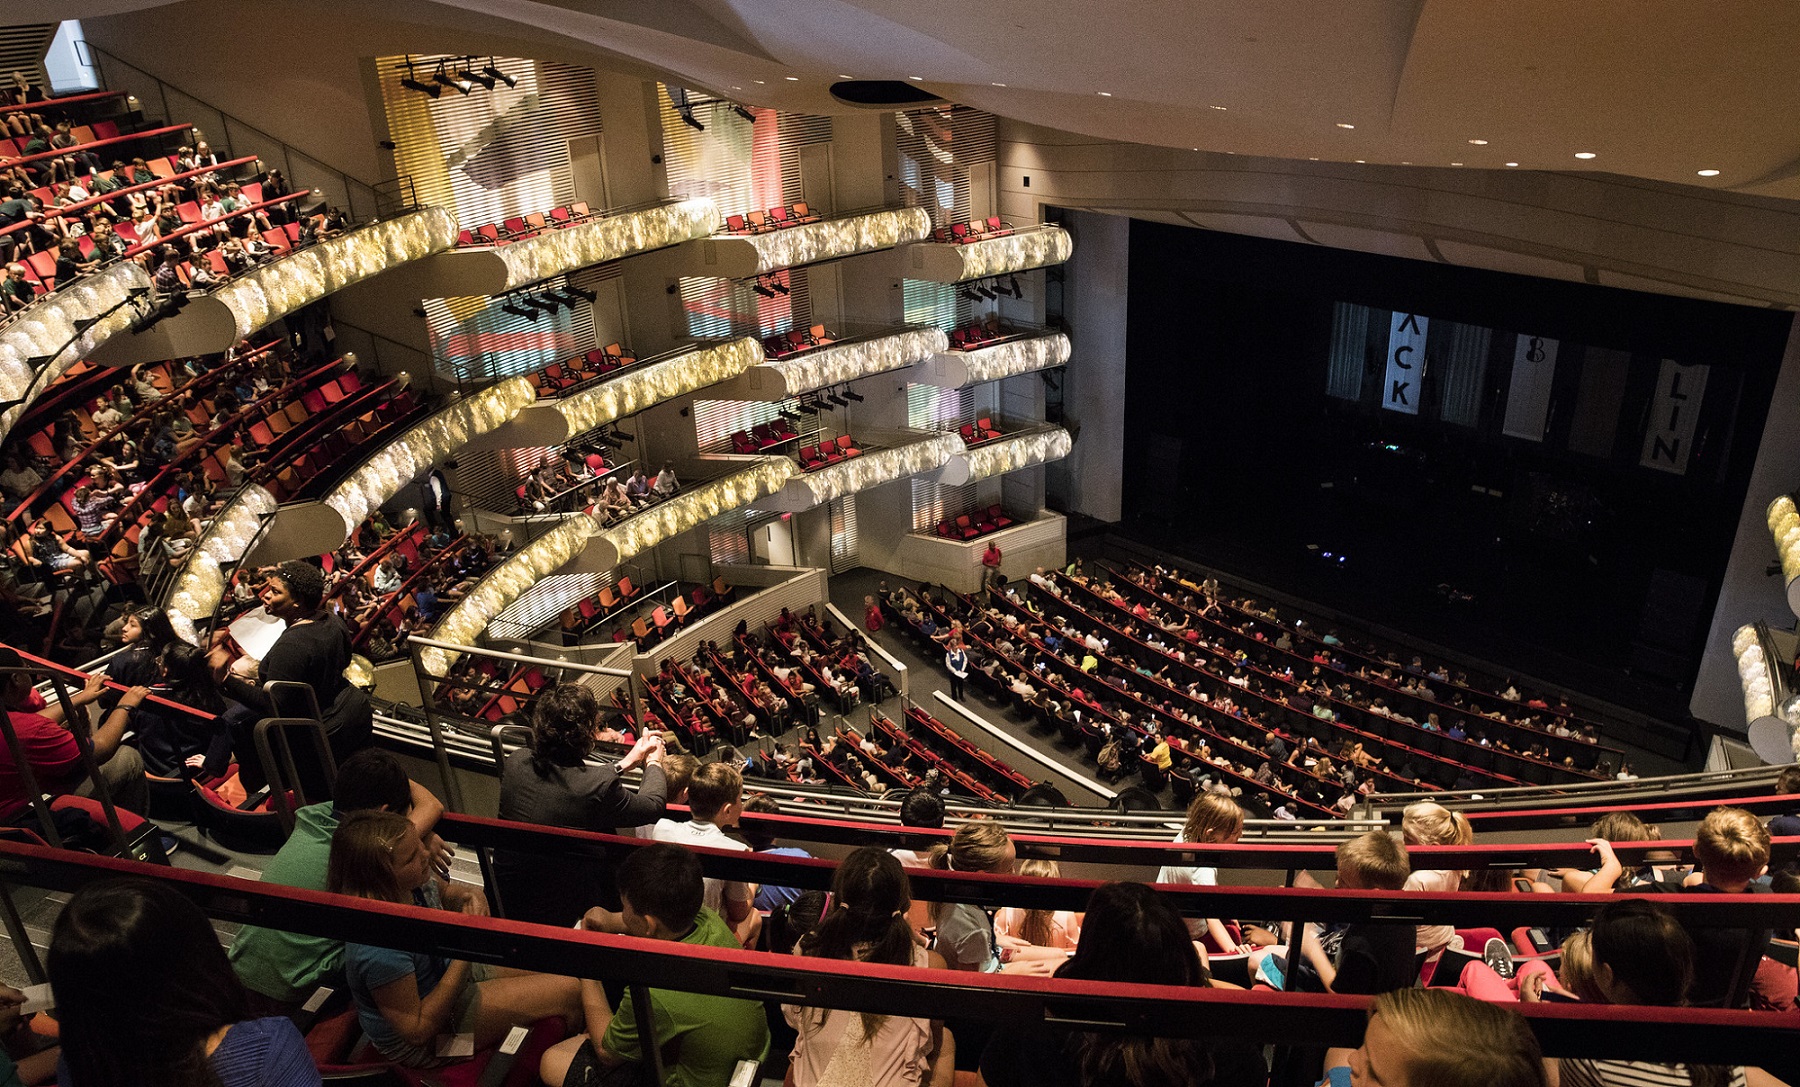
{"points": [[1657, 89]]}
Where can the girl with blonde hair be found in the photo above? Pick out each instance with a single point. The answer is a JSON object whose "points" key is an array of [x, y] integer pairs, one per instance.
{"points": [[1212, 819], [965, 937], [1420, 1037], [1056, 929], [1428, 823]]}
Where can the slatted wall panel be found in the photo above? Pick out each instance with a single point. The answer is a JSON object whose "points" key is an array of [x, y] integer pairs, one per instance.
{"points": [[728, 537], [937, 146], [490, 343], [844, 548], [798, 130], [543, 604], [929, 407], [22, 49], [496, 153], [933, 502], [715, 421]]}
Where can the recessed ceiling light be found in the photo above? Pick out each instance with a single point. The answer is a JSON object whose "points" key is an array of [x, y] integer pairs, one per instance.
{"points": [[1106, 94], [1194, 149], [793, 79], [1343, 125], [1403, 162], [759, 82], [1479, 143], [1362, 160], [1456, 164], [999, 84], [1221, 109], [1584, 154], [1709, 173], [916, 78], [737, 88], [1512, 164], [843, 76], [1313, 158]]}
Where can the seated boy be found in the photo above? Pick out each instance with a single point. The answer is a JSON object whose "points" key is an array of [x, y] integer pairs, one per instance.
{"points": [[1733, 850]]}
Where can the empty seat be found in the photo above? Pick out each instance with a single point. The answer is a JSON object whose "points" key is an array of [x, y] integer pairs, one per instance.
{"points": [[847, 446]]}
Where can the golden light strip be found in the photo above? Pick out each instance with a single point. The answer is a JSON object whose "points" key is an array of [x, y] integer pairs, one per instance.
{"points": [[1016, 357], [47, 327], [200, 585], [505, 583], [796, 245], [271, 291], [652, 383], [381, 476], [553, 252], [847, 362], [1010, 454], [696, 505], [880, 466], [1784, 525], [1015, 252], [1753, 673]]}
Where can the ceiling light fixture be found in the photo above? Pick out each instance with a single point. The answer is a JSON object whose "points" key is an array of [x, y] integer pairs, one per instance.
{"points": [[468, 72], [1709, 173], [1585, 155], [1479, 143], [1221, 109], [413, 83], [793, 79], [444, 78], [1456, 164], [744, 113], [1341, 124], [996, 84], [1106, 94], [492, 70], [916, 78], [1512, 164]]}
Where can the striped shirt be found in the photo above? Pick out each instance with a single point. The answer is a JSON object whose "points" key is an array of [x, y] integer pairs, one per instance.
{"points": [[1586, 1073]]}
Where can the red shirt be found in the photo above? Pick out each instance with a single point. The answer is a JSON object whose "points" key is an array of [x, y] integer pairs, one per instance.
{"points": [[51, 751]]}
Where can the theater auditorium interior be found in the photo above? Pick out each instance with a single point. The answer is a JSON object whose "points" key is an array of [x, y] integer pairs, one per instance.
{"points": [[1129, 544]]}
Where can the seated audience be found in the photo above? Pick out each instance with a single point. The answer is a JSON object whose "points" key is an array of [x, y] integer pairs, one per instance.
{"points": [[51, 750], [715, 800], [1436, 1038], [702, 1037], [1733, 850], [405, 999]]}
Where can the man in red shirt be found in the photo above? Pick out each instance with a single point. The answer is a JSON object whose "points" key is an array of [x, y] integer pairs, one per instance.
{"points": [[50, 748]]}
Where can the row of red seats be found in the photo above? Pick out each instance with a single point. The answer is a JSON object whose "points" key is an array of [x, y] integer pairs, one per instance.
{"points": [[969, 526], [570, 372], [763, 436], [520, 227], [343, 434], [795, 340], [759, 222], [829, 451], [975, 230], [398, 607], [982, 430], [163, 168], [40, 267], [973, 336]]}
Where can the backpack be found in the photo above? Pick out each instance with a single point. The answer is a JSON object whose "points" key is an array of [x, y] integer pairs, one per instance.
{"points": [[1109, 757]]}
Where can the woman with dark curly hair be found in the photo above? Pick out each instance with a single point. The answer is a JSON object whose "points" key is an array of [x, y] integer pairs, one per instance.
{"points": [[552, 783]]}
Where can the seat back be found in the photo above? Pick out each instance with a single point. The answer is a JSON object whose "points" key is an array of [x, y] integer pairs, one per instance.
{"points": [[625, 588]]}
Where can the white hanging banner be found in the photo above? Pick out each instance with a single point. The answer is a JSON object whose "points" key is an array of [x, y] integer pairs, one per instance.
{"points": [[1405, 363], [1528, 392], [1674, 413]]}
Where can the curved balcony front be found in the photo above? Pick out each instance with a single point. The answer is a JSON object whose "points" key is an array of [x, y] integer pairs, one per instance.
{"points": [[200, 586], [691, 507], [41, 342], [315, 527], [1002, 455], [836, 363], [255, 298], [881, 463], [1784, 525], [1019, 353], [505, 583], [1019, 250], [737, 256]]}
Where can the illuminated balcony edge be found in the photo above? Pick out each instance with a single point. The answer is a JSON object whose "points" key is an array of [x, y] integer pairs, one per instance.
{"points": [[872, 469], [1008, 454], [691, 508], [447, 431], [49, 327], [606, 238], [505, 583], [200, 585], [954, 369], [778, 379], [735, 256], [1784, 525], [959, 262], [269, 292], [649, 384]]}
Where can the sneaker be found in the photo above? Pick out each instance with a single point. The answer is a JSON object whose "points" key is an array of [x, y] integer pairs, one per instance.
{"points": [[1498, 956]]}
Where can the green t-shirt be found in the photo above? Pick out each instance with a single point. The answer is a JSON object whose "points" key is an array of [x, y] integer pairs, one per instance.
{"points": [[287, 966], [707, 1035]]}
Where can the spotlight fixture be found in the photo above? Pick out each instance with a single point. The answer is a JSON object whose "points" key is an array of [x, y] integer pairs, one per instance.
{"points": [[807, 407], [744, 113], [468, 72], [413, 83], [445, 79], [986, 291], [762, 290], [519, 311], [790, 416], [550, 302], [1017, 291], [969, 293], [850, 394], [678, 97], [778, 285], [622, 436], [576, 292], [493, 72]]}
